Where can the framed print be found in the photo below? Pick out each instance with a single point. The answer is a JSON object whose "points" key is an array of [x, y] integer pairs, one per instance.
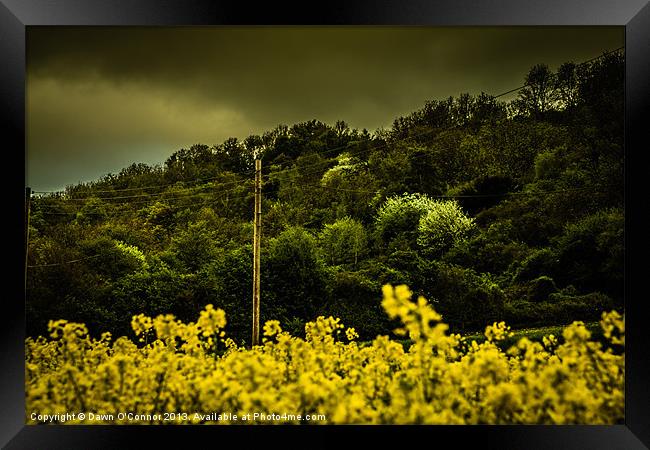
{"points": [[381, 218]]}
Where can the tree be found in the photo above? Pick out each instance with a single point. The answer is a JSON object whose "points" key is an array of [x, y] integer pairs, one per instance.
{"points": [[566, 85], [391, 166], [425, 175], [254, 146], [343, 241], [465, 298], [236, 156], [536, 98], [486, 110], [443, 225], [347, 189], [463, 109], [199, 161], [226, 283], [591, 253], [356, 300], [509, 148], [93, 210], [293, 277], [601, 96], [115, 259], [193, 246], [341, 128], [454, 163]]}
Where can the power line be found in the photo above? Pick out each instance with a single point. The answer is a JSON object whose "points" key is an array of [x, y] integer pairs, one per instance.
{"points": [[577, 65], [172, 207], [339, 189], [200, 180], [64, 262], [82, 199], [505, 194], [158, 196], [313, 187]]}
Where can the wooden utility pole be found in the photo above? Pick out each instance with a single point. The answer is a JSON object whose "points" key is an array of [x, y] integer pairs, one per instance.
{"points": [[256, 252], [28, 200]]}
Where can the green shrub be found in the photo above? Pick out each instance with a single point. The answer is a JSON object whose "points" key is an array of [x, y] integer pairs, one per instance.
{"points": [[465, 298], [540, 288], [483, 192], [354, 299], [538, 263], [560, 308], [491, 250], [591, 254], [294, 278]]}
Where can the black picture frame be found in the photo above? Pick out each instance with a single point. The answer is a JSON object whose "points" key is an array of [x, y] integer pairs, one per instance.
{"points": [[16, 15]]}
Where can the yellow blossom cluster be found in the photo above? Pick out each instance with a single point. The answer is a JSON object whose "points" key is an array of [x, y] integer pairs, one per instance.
{"points": [[197, 374]]}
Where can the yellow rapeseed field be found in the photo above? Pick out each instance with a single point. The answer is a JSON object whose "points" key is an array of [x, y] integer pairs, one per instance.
{"points": [[193, 373]]}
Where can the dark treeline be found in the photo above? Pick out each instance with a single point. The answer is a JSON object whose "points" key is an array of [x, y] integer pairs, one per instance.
{"points": [[492, 210]]}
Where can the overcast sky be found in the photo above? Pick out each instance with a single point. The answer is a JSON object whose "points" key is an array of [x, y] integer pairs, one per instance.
{"points": [[101, 98]]}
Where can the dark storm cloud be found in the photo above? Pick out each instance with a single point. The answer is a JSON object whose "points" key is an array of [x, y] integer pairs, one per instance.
{"points": [[101, 98]]}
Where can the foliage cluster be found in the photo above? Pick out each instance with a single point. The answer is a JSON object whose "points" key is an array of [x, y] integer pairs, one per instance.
{"points": [[494, 211]]}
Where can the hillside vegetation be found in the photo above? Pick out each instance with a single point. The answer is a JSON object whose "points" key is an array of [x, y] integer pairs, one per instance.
{"points": [[494, 211]]}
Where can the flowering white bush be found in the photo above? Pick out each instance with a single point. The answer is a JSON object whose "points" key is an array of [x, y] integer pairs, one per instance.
{"points": [[442, 226]]}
